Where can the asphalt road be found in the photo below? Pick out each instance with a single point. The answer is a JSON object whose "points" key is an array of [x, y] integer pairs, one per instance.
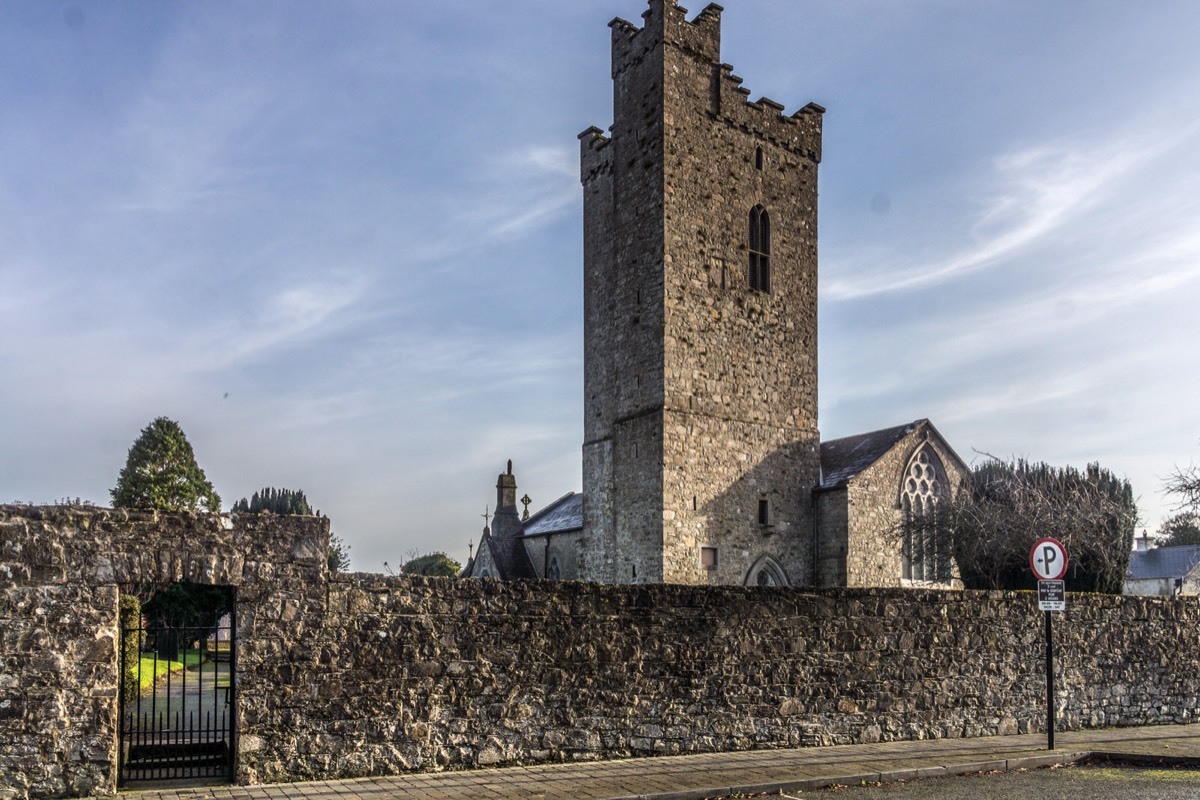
{"points": [[1063, 783]]}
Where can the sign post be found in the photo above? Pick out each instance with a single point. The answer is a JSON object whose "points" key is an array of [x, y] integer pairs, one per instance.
{"points": [[1048, 560]]}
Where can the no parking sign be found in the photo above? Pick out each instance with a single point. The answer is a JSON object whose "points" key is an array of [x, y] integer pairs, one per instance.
{"points": [[1048, 559]]}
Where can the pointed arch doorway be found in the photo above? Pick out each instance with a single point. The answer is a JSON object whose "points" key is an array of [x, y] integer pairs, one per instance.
{"points": [[766, 571]]}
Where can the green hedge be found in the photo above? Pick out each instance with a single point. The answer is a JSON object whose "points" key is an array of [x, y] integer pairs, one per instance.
{"points": [[130, 618]]}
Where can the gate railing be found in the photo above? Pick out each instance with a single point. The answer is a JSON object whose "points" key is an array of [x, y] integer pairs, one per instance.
{"points": [[177, 702]]}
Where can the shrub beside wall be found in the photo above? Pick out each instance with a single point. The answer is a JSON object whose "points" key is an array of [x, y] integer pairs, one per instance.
{"points": [[129, 618]]}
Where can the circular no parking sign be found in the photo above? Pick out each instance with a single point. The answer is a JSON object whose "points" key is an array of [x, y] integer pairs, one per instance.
{"points": [[1048, 559]]}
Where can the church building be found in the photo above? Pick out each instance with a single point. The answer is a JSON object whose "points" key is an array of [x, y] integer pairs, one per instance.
{"points": [[702, 461]]}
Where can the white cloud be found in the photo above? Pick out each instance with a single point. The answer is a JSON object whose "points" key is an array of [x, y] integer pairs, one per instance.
{"points": [[1036, 193]]}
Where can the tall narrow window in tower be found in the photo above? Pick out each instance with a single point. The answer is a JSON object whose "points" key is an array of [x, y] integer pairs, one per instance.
{"points": [[924, 556], [758, 158], [760, 249]]}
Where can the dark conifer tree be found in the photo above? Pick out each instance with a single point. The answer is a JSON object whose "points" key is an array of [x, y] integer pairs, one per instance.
{"points": [[161, 472]]}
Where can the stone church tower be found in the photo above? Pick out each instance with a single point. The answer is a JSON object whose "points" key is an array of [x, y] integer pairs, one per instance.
{"points": [[701, 449], [701, 457]]}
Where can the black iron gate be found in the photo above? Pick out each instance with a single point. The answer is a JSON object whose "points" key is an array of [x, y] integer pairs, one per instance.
{"points": [[177, 699]]}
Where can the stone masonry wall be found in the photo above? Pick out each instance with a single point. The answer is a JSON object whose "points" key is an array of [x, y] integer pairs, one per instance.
{"points": [[429, 674], [830, 542], [60, 573], [741, 364], [353, 675]]}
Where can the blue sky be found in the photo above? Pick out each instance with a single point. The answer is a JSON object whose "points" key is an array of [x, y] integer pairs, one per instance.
{"points": [[340, 243]]}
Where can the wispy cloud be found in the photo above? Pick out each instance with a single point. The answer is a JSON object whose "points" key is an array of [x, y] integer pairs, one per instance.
{"points": [[291, 317], [528, 186], [1036, 192]]}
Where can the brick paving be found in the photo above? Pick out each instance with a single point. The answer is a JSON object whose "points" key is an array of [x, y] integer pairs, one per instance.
{"points": [[692, 777]]}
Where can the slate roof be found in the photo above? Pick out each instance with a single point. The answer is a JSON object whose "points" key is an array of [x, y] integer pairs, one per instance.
{"points": [[842, 459], [511, 559], [1163, 562], [564, 514]]}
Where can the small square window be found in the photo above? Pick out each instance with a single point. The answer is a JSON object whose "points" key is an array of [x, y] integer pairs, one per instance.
{"points": [[708, 557]]}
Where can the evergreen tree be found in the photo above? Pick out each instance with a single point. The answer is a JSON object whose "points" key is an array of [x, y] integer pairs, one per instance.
{"points": [[339, 554], [277, 501], [161, 472], [1003, 507], [1180, 529]]}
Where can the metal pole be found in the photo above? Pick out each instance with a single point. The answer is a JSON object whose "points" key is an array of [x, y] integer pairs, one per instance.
{"points": [[1049, 682]]}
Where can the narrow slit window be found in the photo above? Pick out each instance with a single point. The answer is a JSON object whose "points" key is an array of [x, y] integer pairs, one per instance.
{"points": [[758, 158], [764, 512], [760, 249]]}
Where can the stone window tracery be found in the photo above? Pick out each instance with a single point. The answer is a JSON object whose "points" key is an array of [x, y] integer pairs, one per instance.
{"points": [[766, 571], [760, 249], [553, 572], [922, 487]]}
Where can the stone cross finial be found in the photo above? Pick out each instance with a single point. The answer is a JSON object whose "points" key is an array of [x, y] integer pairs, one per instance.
{"points": [[486, 516], [526, 501]]}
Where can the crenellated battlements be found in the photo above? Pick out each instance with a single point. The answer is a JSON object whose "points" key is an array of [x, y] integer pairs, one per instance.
{"points": [[595, 156], [799, 132], [666, 22]]}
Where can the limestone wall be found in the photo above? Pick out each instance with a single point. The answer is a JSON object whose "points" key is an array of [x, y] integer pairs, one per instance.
{"points": [[352, 675], [60, 573], [421, 674]]}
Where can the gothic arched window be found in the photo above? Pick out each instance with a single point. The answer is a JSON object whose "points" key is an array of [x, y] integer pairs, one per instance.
{"points": [[924, 554], [760, 249], [553, 572]]}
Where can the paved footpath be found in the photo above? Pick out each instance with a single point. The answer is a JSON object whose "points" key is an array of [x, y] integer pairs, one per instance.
{"points": [[692, 777]]}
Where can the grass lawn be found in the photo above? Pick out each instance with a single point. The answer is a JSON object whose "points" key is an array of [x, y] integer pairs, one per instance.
{"points": [[151, 671]]}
